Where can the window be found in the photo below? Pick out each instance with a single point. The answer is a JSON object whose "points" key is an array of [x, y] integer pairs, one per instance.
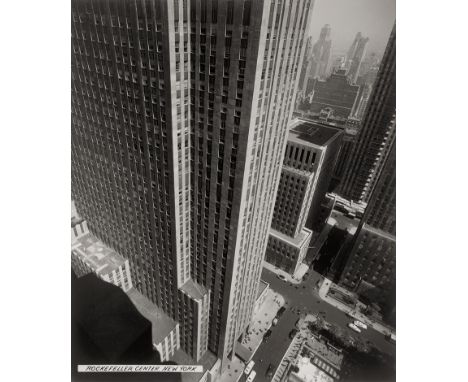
{"points": [[230, 12]]}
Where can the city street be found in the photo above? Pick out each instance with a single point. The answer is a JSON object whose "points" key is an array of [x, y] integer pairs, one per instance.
{"points": [[305, 298]]}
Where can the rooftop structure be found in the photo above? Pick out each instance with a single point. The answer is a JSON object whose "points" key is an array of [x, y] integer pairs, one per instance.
{"points": [[325, 351], [102, 259], [308, 372]]}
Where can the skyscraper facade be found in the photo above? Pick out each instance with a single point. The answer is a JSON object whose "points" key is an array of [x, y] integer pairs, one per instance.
{"points": [[310, 156], [355, 56], [377, 132], [371, 266], [179, 124]]}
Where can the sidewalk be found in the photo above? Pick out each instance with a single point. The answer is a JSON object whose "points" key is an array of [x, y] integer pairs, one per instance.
{"points": [[261, 322], [323, 293], [297, 279], [234, 371]]}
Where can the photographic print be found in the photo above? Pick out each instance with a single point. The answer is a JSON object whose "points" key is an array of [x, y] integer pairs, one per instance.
{"points": [[233, 178]]}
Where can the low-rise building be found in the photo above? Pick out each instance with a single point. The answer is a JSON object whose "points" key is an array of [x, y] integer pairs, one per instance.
{"points": [[89, 254], [317, 361]]}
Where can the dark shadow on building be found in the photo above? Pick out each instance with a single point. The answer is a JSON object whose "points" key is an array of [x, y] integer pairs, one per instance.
{"points": [[106, 328], [330, 250]]}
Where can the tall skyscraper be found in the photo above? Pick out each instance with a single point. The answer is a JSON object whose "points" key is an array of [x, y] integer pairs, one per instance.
{"points": [[355, 55], [307, 168], [377, 133], [370, 267], [180, 112], [321, 54]]}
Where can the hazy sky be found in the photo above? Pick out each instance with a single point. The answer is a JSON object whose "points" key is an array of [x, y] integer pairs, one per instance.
{"points": [[373, 18]]}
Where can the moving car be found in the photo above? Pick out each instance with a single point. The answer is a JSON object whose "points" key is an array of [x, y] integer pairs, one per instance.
{"points": [[267, 335], [354, 327], [360, 324], [270, 370], [249, 367], [251, 376]]}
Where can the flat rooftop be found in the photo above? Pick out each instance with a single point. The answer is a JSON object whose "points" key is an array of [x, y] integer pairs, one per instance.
{"points": [[193, 289], [161, 323], [298, 172], [308, 372], [325, 352], [297, 242], [308, 132], [97, 255]]}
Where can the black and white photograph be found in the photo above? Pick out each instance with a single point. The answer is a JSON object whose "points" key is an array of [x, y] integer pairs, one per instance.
{"points": [[233, 179], [232, 192]]}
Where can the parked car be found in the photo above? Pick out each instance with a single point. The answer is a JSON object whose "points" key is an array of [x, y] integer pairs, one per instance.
{"points": [[292, 333], [354, 327], [275, 321], [251, 376], [267, 335], [249, 367], [270, 371], [281, 277], [280, 312], [360, 324]]}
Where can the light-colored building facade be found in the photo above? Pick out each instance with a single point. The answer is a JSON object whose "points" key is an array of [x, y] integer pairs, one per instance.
{"points": [[180, 112], [90, 255]]}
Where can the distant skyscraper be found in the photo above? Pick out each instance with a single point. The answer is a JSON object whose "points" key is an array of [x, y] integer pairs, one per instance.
{"points": [[355, 56], [335, 92], [180, 112], [307, 167], [376, 134], [321, 54]]}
